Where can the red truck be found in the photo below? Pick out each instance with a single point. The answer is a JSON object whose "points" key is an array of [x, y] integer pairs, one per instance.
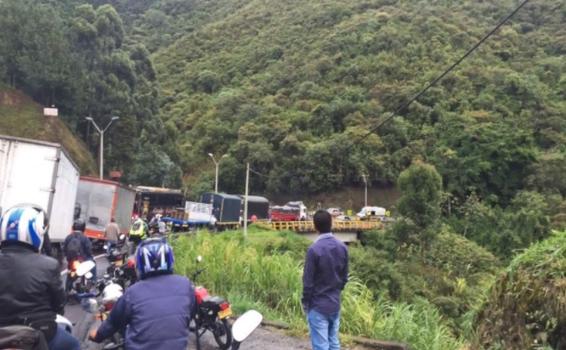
{"points": [[285, 213], [100, 200]]}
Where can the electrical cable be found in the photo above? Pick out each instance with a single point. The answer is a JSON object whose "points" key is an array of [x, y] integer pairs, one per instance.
{"points": [[441, 76]]}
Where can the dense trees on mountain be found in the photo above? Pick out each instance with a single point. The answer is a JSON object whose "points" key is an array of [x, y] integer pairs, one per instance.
{"points": [[293, 88], [75, 58]]}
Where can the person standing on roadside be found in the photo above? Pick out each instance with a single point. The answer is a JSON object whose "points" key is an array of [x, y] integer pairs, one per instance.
{"points": [[111, 234], [325, 276]]}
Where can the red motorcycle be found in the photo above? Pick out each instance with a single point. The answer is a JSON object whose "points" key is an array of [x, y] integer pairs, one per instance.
{"points": [[212, 315]]}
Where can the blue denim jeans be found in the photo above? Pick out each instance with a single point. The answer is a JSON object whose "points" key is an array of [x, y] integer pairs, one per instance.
{"points": [[324, 330], [63, 340]]}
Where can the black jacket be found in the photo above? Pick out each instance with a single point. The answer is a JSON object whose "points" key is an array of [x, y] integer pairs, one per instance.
{"points": [[86, 246], [30, 284]]}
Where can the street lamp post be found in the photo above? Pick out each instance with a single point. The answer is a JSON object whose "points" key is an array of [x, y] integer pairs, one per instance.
{"points": [[101, 132], [216, 164]]}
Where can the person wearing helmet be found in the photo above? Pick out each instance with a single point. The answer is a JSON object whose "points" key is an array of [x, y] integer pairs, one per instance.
{"points": [[138, 232], [77, 246], [31, 292], [155, 312]]}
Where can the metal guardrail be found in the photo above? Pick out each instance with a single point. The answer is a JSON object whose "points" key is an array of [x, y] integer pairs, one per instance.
{"points": [[337, 226]]}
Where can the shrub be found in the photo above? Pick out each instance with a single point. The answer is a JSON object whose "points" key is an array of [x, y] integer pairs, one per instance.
{"points": [[527, 305]]}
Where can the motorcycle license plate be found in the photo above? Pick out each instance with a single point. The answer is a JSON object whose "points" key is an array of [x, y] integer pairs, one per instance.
{"points": [[225, 313], [118, 263]]}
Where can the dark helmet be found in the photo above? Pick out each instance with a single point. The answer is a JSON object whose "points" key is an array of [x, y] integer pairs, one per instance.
{"points": [[154, 256], [79, 225]]}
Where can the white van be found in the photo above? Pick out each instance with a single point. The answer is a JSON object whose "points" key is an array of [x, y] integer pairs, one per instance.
{"points": [[369, 212]]}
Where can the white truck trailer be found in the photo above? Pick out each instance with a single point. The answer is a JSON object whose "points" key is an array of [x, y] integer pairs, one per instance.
{"points": [[40, 173]]}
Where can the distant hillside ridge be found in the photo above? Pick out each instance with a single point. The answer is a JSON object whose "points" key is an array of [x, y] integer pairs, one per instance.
{"points": [[20, 116]]}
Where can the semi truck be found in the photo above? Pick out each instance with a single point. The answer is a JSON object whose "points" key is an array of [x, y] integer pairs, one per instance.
{"points": [[43, 174], [98, 201]]}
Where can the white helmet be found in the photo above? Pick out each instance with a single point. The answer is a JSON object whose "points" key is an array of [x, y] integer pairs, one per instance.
{"points": [[112, 293], [25, 223]]}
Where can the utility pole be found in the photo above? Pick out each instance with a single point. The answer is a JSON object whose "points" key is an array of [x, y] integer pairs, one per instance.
{"points": [[365, 177], [101, 132], [217, 165], [246, 201]]}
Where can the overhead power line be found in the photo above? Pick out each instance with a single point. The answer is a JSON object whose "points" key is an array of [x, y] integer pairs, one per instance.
{"points": [[405, 105]]}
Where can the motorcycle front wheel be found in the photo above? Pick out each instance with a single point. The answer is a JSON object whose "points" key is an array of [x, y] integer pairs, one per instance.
{"points": [[222, 334]]}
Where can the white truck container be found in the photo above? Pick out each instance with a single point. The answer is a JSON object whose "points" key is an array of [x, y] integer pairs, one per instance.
{"points": [[40, 173]]}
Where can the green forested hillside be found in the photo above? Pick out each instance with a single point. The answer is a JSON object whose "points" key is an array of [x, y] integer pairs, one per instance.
{"points": [[293, 87], [74, 56], [288, 84]]}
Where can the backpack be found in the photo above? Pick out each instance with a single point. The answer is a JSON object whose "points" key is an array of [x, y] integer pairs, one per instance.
{"points": [[73, 247]]}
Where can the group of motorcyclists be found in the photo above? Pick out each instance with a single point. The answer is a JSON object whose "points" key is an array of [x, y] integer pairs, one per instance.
{"points": [[153, 313]]}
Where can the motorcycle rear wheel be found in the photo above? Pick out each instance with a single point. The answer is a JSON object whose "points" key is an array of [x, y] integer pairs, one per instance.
{"points": [[222, 334]]}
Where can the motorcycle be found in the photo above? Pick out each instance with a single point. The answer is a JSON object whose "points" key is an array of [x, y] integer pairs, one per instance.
{"points": [[212, 315], [116, 252], [79, 277], [100, 305], [124, 274]]}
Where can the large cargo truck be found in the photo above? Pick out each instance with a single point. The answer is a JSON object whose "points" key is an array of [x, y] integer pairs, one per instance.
{"points": [[98, 201], [226, 208], [40, 173]]}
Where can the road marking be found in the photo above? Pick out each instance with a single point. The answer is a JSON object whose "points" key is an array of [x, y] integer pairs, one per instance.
{"points": [[64, 272]]}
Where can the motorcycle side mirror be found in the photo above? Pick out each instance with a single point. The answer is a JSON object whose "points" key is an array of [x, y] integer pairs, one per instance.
{"points": [[199, 259], [85, 267], [244, 326], [89, 305]]}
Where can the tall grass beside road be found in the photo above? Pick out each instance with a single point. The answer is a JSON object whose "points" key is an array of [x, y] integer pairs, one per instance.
{"points": [[265, 273]]}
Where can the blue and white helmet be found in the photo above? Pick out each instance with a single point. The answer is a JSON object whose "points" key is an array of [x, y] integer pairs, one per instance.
{"points": [[154, 256], [24, 223]]}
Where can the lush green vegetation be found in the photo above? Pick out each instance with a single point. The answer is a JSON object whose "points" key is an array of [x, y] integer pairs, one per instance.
{"points": [[527, 306], [293, 88], [76, 58], [288, 84], [265, 273]]}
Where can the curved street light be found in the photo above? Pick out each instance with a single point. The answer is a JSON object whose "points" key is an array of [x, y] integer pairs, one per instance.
{"points": [[216, 164], [101, 132]]}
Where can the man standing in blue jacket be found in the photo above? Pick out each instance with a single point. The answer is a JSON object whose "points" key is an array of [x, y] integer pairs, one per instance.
{"points": [[156, 311], [324, 277]]}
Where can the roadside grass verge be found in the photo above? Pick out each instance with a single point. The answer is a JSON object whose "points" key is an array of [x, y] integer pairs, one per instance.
{"points": [[265, 273]]}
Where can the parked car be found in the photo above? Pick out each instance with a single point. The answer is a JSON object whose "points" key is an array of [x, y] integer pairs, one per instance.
{"points": [[372, 212]]}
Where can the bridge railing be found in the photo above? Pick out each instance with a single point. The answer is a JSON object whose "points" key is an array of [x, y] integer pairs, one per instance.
{"points": [[337, 226]]}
